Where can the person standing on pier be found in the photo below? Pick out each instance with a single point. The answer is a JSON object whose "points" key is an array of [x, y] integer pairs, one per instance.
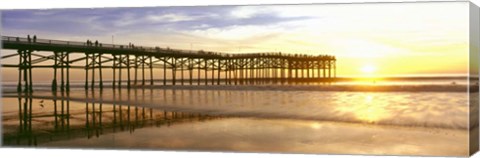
{"points": [[96, 43], [28, 38], [34, 38]]}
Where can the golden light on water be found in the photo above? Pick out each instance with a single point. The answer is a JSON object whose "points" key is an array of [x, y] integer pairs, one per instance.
{"points": [[369, 110], [371, 114], [315, 125]]}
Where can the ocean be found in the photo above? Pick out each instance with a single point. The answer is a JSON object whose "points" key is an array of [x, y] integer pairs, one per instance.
{"points": [[395, 117]]}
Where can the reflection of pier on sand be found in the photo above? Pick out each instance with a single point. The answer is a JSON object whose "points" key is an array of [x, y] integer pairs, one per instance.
{"points": [[38, 120]]}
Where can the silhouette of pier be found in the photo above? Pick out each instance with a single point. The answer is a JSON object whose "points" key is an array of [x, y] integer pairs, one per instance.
{"points": [[178, 67]]}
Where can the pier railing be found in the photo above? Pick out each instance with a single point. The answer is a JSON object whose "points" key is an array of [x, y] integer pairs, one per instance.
{"points": [[24, 40]]}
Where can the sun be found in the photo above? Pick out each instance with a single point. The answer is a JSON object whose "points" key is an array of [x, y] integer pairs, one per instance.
{"points": [[368, 69]]}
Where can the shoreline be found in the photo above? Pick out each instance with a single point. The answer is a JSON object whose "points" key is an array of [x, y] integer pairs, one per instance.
{"points": [[326, 88]]}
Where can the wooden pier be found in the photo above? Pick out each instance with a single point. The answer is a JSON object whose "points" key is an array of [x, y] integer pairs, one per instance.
{"points": [[178, 67]]}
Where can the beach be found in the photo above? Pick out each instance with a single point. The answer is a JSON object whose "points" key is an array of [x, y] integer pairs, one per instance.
{"points": [[263, 118]]}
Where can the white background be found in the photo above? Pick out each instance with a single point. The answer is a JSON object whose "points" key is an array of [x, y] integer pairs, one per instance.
{"points": [[73, 153]]}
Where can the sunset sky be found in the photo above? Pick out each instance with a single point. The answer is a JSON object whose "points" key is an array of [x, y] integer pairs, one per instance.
{"points": [[382, 39]]}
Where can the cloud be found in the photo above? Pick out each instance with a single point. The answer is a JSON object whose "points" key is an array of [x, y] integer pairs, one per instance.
{"points": [[169, 18], [134, 20], [245, 12]]}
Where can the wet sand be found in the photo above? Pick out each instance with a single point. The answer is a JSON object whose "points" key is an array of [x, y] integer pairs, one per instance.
{"points": [[284, 136], [154, 131]]}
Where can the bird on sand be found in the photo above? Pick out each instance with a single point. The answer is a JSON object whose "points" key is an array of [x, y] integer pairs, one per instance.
{"points": [[41, 103]]}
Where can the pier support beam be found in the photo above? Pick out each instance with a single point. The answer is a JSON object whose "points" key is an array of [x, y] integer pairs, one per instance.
{"points": [[143, 69], [174, 70], [62, 62], [206, 71], [219, 68], [93, 61], [100, 70], [25, 68], [114, 70], [182, 67], [150, 64], [165, 59], [135, 71], [199, 63], [213, 71], [121, 62], [129, 82], [329, 69], [190, 70]]}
